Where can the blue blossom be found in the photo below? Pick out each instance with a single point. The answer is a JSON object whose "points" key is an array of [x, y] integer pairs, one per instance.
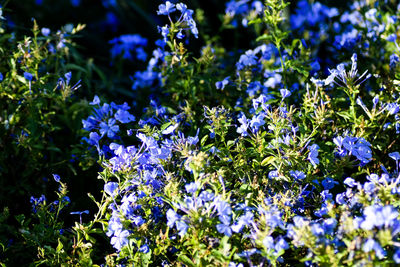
{"points": [[28, 76], [298, 175], [395, 155], [285, 93], [247, 59], [180, 35], [224, 229], [1, 77], [120, 239], [110, 128], [170, 129], [172, 218], [144, 249], [130, 46], [281, 244], [192, 187], [45, 31], [242, 129], [268, 242], [313, 154], [350, 182], [328, 183], [164, 31], [223, 208], [111, 188], [358, 147], [124, 116], [392, 108], [394, 59], [221, 84], [56, 178], [256, 122], [396, 256], [182, 227], [166, 9]]}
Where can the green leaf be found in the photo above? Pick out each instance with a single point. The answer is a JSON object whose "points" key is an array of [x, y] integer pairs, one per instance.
{"points": [[185, 259], [255, 21], [268, 161], [203, 140], [265, 37], [165, 126], [59, 246]]}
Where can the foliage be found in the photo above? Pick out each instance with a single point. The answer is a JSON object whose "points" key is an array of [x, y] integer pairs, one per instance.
{"points": [[283, 154]]}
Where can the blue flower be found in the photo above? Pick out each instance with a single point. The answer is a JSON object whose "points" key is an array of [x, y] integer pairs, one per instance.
{"points": [[392, 108], [45, 31], [285, 93], [256, 122], [166, 9], [110, 128], [221, 84], [192, 187], [172, 217], [223, 208], [395, 155], [224, 229], [124, 116], [394, 59], [144, 249], [247, 59], [28, 76], [313, 155], [182, 227], [350, 182], [298, 175], [242, 129], [170, 129], [110, 188], [396, 256], [56, 177], [328, 183], [268, 242], [164, 31], [281, 244], [1, 77], [119, 240]]}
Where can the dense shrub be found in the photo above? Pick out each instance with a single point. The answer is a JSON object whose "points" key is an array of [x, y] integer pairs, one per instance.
{"points": [[282, 153]]}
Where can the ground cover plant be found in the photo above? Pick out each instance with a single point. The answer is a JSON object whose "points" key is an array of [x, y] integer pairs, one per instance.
{"points": [[266, 135]]}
